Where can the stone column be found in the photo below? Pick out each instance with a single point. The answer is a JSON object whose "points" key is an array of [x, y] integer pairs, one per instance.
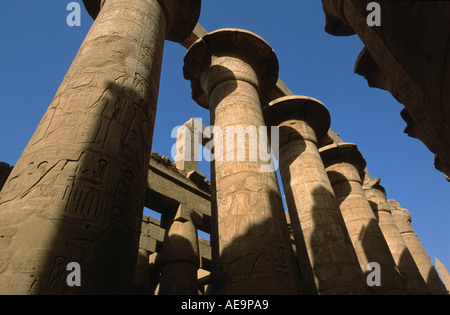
{"points": [[77, 192], [229, 69], [376, 195], [303, 122], [345, 167], [179, 261], [402, 219], [443, 272], [142, 272]]}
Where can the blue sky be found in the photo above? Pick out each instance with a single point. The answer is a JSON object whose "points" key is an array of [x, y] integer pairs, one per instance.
{"points": [[37, 48]]}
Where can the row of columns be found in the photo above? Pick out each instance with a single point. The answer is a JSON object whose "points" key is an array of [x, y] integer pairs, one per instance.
{"points": [[338, 235], [77, 192]]}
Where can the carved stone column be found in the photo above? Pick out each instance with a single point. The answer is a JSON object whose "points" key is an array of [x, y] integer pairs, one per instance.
{"points": [[179, 261], [376, 195], [317, 222], [229, 69], [345, 167], [77, 192], [402, 219], [443, 272]]}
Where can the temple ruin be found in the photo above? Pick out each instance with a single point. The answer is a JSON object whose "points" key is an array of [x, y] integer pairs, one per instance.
{"points": [[78, 191]]}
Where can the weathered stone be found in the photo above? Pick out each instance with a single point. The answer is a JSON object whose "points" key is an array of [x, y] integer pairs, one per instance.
{"points": [[316, 220], [179, 260], [408, 56], [345, 168], [376, 195], [443, 272], [77, 192], [229, 69], [141, 282], [402, 219], [189, 137]]}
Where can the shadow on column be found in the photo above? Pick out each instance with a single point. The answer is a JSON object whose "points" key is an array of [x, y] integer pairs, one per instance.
{"points": [[321, 270], [179, 272], [414, 281], [257, 262], [371, 242], [435, 282], [97, 216], [408, 266], [335, 276], [302, 255]]}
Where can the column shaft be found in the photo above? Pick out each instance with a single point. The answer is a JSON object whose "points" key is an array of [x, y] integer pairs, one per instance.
{"points": [[77, 192], [367, 238], [253, 240], [414, 281], [254, 253], [443, 272], [180, 260], [402, 219], [311, 201]]}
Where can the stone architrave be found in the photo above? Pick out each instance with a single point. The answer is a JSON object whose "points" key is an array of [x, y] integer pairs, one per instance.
{"points": [[77, 192], [402, 219], [345, 168], [229, 69], [303, 122], [179, 261], [376, 195]]}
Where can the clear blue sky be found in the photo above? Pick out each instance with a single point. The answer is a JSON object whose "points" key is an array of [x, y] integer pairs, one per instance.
{"points": [[37, 48]]}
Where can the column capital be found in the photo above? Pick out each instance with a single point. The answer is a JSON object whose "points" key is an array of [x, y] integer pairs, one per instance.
{"points": [[375, 184], [343, 152], [376, 193], [398, 211], [182, 16], [304, 108], [233, 43]]}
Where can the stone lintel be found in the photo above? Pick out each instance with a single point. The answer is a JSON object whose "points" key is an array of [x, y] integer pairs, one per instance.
{"points": [[230, 40], [341, 153], [304, 108], [198, 32], [185, 195], [186, 15]]}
